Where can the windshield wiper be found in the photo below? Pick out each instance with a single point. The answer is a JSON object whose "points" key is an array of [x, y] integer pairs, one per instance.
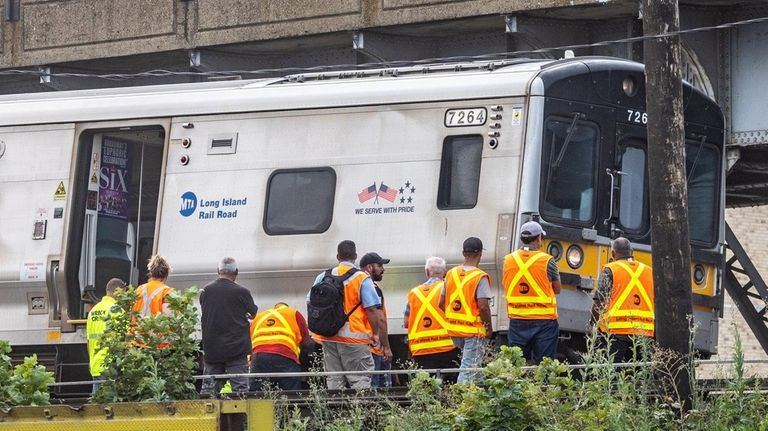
{"points": [[572, 128], [695, 161]]}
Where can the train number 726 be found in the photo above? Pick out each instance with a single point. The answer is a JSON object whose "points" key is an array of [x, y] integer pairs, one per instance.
{"points": [[637, 117]]}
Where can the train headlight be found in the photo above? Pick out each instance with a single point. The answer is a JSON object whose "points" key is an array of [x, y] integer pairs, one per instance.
{"points": [[574, 256], [555, 249], [699, 274], [629, 86]]}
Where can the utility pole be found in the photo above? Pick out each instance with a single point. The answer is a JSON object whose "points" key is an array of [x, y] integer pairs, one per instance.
{"points": [[669, 194]]}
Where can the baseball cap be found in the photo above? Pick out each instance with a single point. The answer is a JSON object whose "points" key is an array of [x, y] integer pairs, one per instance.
{"points": [[373, 257], [472, 245], [531, 228]]}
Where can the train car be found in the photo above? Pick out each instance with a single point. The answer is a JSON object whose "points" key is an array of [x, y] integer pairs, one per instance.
{"points": [[407, 162]]}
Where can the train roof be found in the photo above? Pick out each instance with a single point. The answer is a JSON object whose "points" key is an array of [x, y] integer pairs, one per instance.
{"points": [[307, 91], [397, 85]]}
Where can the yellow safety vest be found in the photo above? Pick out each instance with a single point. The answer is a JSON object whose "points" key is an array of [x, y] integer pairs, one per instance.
{"points": [[94, 328], [276, 326]]}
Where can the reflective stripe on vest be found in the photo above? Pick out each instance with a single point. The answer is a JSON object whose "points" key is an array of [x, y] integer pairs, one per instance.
{"points": [[461, 310], [357, 330], [95, 327], [423, 341], [276, 326], [631, 308], [542, 304]]}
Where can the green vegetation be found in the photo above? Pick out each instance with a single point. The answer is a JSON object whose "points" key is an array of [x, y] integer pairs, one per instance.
{"points": [[550, 396], [25, 384], [152, 358]]}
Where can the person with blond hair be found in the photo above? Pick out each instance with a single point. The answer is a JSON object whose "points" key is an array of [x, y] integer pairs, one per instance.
{"points": [[150, 296]]}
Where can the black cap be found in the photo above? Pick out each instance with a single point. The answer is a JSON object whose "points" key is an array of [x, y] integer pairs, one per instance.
{"points": [[372, 257], [473, 245]]}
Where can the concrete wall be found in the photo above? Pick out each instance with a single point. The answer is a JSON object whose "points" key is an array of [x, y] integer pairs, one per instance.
{"points": [[55, 31]]}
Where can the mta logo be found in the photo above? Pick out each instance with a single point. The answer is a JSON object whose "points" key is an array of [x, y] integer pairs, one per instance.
{"points": [[188, 204]]}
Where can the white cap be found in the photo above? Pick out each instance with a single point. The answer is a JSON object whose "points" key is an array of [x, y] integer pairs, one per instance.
{"points": [[531, 229]]}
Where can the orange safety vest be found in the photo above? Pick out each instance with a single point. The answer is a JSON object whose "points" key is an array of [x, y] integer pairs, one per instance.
{"points": [[461, 310], [358, 329], [427, 328], [149, 302], [150, 297], [276, 326], [631, 308], [529, 292]]}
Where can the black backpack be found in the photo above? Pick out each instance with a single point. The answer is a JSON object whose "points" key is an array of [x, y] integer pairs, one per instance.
{"points": [[325, 311]]}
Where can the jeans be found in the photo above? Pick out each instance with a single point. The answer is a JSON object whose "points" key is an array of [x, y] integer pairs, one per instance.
{"points": [[381, 380], [269, 363], [472, 350], [212, 387], [536, 338]]}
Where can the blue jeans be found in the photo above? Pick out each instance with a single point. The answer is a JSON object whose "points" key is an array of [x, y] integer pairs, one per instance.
{"points": [[381, 380], [269, 363], [472, 349], [536, 338]]}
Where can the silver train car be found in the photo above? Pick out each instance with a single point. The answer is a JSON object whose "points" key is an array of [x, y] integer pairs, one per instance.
{"points": [[407, 162]]}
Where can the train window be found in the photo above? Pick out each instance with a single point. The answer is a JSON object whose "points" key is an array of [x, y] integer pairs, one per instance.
{"points": [[460, 172], [702, 165], [633, 212], [568, 170], [299, 201]]}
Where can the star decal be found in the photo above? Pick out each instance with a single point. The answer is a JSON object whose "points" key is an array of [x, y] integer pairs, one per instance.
{"points": [[413, 189], [402, 200], [401, 190], [410, 199], [407, 184]]}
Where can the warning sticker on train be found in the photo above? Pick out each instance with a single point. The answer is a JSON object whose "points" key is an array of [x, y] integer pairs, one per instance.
{"points": [[210, 208], [387, 198]]}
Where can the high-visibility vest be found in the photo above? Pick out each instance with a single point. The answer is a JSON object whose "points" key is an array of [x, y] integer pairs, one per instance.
{"points": [[150, 297], [461, 310], [358, 329], [427, 328], [94, 328], [276, 326], [529, 292], [631, 308]]}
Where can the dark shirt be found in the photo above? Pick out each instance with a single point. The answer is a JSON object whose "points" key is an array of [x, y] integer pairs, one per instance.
{"points": [[226, 331]]}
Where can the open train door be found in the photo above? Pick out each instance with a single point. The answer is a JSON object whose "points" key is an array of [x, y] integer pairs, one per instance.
{"points": [[113, 223]]}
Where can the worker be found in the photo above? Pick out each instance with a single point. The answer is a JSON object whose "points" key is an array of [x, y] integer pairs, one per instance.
{"points": [[96, 325], [625, 297], [532, 281], [226, 308], [347, 349], [278, 336], [150, 296], [466, 303], [428, 339], [373, 265]]}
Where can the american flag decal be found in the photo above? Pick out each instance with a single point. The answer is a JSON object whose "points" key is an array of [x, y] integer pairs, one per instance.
{"points": [[387, 192], [367, 193]]}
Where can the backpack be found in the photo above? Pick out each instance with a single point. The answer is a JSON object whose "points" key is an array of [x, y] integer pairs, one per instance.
{"points": [[325, 310]]}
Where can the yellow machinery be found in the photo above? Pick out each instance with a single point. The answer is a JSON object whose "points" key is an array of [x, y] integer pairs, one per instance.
{"points": [[197, 415]]}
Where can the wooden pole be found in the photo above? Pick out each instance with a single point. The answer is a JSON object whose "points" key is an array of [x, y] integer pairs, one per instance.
{"points": [[669, 194]]}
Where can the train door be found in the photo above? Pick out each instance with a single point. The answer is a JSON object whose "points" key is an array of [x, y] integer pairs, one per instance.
{"points": [[118, 182]]}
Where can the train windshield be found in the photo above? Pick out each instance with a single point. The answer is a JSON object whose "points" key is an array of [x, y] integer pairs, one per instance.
{"points": [[702, 166], [570, 147]]}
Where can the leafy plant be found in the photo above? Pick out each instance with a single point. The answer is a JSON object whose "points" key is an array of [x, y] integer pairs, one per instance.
{"points": [[151, 358], [23, 385]]}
